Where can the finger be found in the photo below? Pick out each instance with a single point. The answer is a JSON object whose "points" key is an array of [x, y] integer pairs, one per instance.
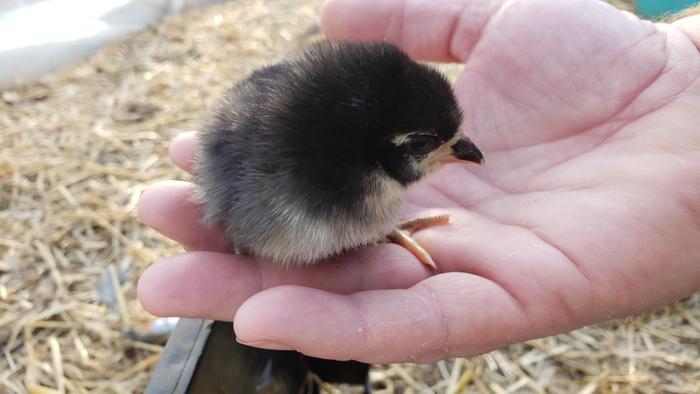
{"points": [[691, 26], [166, 207], [182, 150], [429, 30], [446, 315], [213, 285]]}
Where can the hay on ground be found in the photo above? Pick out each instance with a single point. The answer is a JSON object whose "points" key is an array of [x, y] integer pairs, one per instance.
{"points": [[77, 149]]}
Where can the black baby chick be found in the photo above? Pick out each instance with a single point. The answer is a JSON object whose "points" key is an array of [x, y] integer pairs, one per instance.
{"points": [[310, 157]]}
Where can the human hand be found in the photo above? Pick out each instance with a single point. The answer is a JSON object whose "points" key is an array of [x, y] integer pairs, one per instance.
{"points": [[588, 206]]}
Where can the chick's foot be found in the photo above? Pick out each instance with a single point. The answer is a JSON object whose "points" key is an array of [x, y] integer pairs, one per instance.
{"points": [[402, 235]]}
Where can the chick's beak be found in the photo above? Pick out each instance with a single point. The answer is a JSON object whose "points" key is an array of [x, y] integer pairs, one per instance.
{"points": [[464, 149]]}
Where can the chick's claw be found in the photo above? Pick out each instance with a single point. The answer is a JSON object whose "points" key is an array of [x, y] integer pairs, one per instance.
{"points": [[402, 236], [241, 252]]}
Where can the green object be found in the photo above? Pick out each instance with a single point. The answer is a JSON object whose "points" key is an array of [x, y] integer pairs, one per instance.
{"points": [[658, 8]]}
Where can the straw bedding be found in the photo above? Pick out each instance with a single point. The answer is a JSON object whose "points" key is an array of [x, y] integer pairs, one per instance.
{"points": [[76, 150]]}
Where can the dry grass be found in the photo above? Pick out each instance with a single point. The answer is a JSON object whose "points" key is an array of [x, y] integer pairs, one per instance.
{"points": [[76, 151]]}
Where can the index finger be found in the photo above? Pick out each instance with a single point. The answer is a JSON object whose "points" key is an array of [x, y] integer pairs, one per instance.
{"points": [[436, 30]]}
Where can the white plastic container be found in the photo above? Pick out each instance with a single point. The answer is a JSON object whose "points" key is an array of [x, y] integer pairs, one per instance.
{"points": [[39, 36]]}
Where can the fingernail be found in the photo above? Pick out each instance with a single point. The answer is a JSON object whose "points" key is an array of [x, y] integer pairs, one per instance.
{"points": [[264, 344]]}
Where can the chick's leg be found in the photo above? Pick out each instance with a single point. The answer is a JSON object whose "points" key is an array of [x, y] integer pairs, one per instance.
{"points": [[402, 235]]}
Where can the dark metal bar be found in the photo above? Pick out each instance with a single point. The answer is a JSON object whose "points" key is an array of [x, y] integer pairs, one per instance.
{"points": [[202, 356]]}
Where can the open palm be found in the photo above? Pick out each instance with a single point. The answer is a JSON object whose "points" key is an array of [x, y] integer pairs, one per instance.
{"points": [[588, 206]]}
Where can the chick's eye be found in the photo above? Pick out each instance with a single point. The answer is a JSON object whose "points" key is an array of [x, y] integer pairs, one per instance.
{"points": [[422, 144]]}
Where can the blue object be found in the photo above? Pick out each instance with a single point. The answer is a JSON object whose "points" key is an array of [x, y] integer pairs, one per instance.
{"points": [[658, 8]]}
